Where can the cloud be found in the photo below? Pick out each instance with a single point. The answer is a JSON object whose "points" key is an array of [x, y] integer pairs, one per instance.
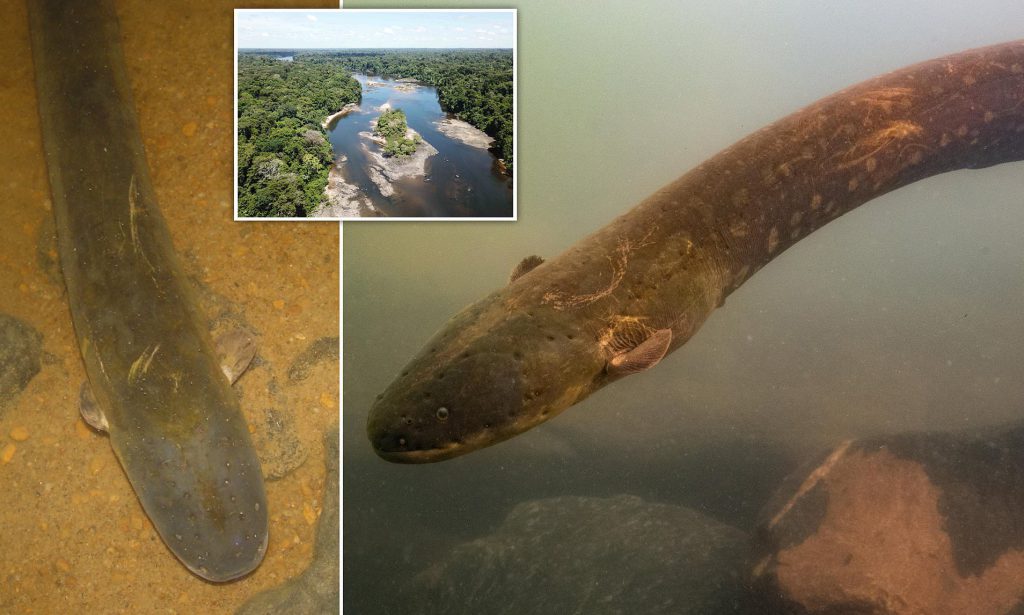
{"points": [[354, 28]]}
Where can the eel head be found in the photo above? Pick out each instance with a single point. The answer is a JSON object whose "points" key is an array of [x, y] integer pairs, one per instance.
{"points": [[498, 368]]}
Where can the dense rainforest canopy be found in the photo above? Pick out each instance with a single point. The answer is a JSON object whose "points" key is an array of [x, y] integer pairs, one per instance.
{"points": [[283, 152], [284, 155], [474, 85]]}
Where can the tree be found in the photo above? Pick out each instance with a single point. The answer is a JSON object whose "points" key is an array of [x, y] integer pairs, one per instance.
{"points": [[283, 152], [392, 126]]}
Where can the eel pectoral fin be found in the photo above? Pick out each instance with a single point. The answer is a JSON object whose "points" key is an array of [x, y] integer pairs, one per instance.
{"points": [[235, 351], [644, 356], [90, 409]]}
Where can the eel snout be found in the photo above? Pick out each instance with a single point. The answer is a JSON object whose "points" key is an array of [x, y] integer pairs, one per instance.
{"points": [[448, 411], [204, 494]]}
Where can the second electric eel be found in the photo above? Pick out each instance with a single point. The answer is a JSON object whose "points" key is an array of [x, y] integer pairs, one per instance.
{"points": [[621, 299]]}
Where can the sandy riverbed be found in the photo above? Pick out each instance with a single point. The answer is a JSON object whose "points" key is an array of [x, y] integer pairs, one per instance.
{"points": [[75, 538]]}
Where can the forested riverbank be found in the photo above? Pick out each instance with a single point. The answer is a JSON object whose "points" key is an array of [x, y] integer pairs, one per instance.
{"points": [[283, 153]]}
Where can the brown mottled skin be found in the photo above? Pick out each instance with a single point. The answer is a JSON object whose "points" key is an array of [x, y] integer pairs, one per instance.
{"points": [[544, 342]]}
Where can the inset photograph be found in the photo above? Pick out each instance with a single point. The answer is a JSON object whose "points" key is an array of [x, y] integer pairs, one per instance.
{"points": [[375, 114]]}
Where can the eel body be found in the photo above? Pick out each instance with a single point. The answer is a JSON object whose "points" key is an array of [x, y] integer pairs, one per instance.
{"points": [[619, 300], [174, 423]]}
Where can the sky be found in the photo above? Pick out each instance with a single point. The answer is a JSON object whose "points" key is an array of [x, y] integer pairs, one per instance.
{"points": [[349, 28]]}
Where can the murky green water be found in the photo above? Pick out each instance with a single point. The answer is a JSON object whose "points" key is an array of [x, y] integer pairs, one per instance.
{"points": [[902, 315]]}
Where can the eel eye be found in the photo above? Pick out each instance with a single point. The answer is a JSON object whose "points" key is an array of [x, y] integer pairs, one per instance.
{"points": [[442, 414]]}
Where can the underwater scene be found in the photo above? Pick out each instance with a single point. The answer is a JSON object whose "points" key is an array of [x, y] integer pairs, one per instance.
{"points": [[840, 434], [74, 536]]}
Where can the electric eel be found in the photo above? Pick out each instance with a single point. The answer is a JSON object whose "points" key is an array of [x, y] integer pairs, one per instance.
{"points": [[174, 423], [621, 299]]}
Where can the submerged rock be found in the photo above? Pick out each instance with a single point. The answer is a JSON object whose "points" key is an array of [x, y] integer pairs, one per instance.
{"points": [[908, 524], [319, 351], [590, 555], [316, 590], [21, 348], [278, 445]]}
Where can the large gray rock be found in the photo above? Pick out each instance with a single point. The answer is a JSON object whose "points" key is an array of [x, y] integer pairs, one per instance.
{"points": [[21, 349], [316, 591], [589, 555]]}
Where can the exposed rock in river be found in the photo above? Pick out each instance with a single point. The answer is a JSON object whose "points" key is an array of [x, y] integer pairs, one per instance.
{"points": [[384, 170], [589, 555], [465, 132], [907, 524], [344, 200]]}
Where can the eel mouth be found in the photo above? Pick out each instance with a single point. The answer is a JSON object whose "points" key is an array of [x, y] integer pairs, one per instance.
{"points": [[427, 455]]}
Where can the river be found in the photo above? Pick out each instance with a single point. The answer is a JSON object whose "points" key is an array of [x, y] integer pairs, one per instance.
{"points": [[460, 181]]}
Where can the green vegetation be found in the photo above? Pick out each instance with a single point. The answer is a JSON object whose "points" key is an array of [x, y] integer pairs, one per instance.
{"points": [[391, 125], [283, 152], [474, 85]]}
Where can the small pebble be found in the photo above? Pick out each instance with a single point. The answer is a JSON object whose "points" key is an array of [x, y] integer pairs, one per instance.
{"points": [[327, 400], [189, 129], [63, 565], [7, 453], [19, 434], [278, 304]]}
